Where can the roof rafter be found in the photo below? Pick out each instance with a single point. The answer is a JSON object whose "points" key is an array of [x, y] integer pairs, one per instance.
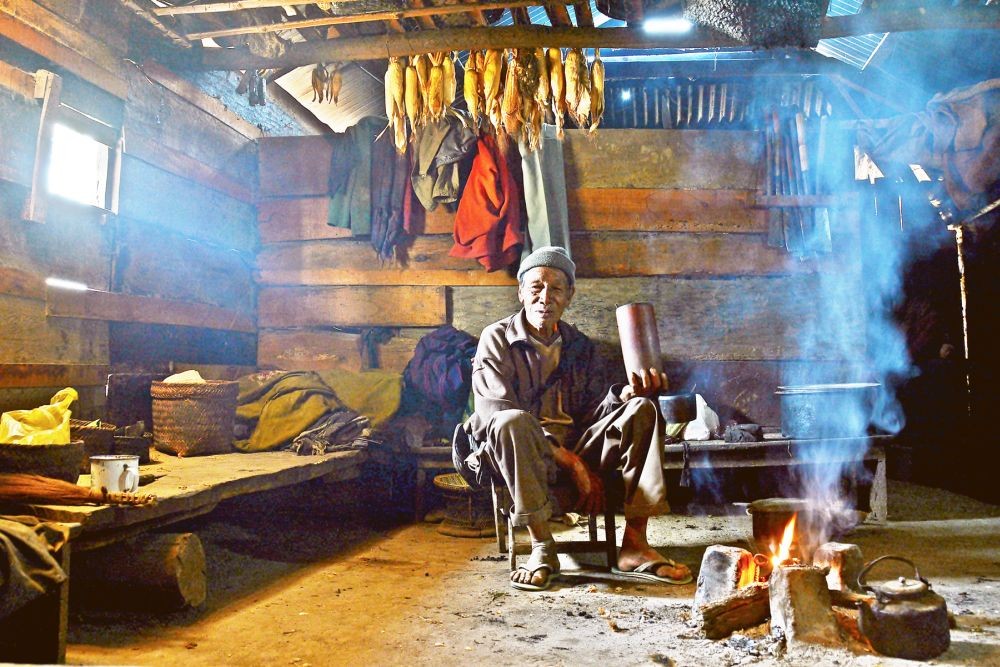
{"points": [[380, 46], [424, 12]]}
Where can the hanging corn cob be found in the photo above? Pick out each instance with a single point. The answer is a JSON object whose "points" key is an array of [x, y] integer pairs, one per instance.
{"points": [[577, 87], [449, 82], [395, 84], [412, 101], [435, 87], [492, 71], [557, 87], [471, 88], [510, 106], [544, 85], [528, 80], [422, 64], [320, 78], [333, 89], [596, 91]]}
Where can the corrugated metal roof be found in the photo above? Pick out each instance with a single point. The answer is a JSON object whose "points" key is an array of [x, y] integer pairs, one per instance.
{"points": [[855, 51]]}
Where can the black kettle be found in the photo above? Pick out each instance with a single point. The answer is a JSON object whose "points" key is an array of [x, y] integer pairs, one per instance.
{"points": [[905, 619]]}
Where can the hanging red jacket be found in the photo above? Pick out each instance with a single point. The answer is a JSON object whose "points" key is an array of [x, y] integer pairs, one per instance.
{"points": [[488, 222]]}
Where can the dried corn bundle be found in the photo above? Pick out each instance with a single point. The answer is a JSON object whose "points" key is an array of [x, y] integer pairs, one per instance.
{"points": [[492, 71], [333, 90], [449, 83], [435, 87], [395, 85], [544, 85], [577, 87], [596, 91], [471, 88], [412, 101], [527, 76], [320, 79], [510, 108], [557, 87]]}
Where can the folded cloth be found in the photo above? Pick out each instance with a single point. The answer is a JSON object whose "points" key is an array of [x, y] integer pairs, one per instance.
{"points": [[376, 394], [337, 431], [743, 433]]}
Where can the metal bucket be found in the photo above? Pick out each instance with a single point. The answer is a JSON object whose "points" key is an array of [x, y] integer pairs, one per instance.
{"points": [[826, 410]]}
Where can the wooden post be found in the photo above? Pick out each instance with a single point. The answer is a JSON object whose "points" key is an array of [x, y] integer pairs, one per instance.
{"points": [[48, 88]]}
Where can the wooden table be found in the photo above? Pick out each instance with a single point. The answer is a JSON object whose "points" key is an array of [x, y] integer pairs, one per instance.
{"points": [[187, 488], [778, 451]]}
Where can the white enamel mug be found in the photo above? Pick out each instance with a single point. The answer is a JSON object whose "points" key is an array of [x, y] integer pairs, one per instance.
{"points": [[118, 473]]}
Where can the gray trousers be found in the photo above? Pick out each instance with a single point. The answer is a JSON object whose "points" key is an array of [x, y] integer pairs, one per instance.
{"points": [[517, 451]]}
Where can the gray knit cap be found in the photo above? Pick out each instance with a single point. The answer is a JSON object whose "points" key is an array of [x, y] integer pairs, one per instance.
{"points": [[552, 256]]}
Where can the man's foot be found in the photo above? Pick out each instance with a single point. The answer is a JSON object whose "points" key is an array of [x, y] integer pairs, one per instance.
{"points": [[542, 567], [648, 564]]}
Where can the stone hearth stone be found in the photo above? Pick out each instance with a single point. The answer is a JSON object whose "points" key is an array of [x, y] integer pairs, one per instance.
{"points": [[845, 562], [800, 605], [719, 575]]}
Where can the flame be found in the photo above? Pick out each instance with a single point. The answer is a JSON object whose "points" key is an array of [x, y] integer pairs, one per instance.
{"points": [[784, 551]]}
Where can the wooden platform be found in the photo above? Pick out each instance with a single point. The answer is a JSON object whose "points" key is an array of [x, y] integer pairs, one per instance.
{"points": [[779, 451], [185, 487], [195, 485]]}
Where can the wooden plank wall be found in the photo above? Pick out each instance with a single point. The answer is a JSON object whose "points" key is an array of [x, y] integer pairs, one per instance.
{"points": [[186, 231], [659, 216]]}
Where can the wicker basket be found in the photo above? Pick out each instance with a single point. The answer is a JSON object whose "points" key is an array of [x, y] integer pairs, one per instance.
{"points": [[97, 440], [56, 461], [194, 419]]}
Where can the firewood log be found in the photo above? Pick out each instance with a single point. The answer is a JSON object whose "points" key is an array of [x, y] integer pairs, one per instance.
{"points": [[746, 608], [163, 572]]}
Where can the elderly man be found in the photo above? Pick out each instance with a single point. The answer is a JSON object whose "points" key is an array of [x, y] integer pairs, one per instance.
{"points": [[541, 410]]}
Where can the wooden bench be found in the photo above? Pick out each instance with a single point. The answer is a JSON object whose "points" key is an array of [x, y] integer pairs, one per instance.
{"points": [[778, 451], [185, 488]]}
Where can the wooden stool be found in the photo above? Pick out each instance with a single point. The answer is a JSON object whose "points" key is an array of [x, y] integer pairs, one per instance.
{"points": [[466, 512], [506, 536]]}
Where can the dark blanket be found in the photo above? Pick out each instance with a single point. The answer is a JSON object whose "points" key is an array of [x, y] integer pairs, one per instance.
{"points": [[27, 567]]}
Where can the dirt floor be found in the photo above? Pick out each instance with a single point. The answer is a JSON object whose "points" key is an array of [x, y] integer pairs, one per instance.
{"points": [[304, 579]]}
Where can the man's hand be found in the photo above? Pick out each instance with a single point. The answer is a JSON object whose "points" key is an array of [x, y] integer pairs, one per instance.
{"points": [[590, 488], [644, 383]]}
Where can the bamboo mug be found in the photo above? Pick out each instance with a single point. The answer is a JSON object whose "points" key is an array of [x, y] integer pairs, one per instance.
{"points": [[118, 473]]}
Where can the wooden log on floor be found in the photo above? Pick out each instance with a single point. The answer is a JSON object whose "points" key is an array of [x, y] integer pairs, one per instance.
{"points": [[162, 572], [745, 608]]}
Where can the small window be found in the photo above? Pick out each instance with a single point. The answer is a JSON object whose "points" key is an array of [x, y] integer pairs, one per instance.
{"points": [[78, 167]]}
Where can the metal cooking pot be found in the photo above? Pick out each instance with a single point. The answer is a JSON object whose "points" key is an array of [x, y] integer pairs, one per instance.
{"points": [[905, 619], [678, 408], [826, 410]]}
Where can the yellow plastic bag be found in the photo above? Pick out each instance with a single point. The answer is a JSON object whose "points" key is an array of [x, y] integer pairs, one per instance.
{"points": [[45, 425]]}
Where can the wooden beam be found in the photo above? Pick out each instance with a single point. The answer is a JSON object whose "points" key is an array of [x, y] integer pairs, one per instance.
{"points": [[425, 22], [421, 12], [117, 307], [453, 39], [351, 306], [479, 15], [21, 283], [234, 6], [197, 97], [53, 375], [558, 15], [39, 30], [17, 81], [884, 101], [584, 16], [166, 158]]}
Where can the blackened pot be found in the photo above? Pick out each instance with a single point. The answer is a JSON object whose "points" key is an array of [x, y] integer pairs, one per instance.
{"points": [[826, 410], [678, 408]]}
